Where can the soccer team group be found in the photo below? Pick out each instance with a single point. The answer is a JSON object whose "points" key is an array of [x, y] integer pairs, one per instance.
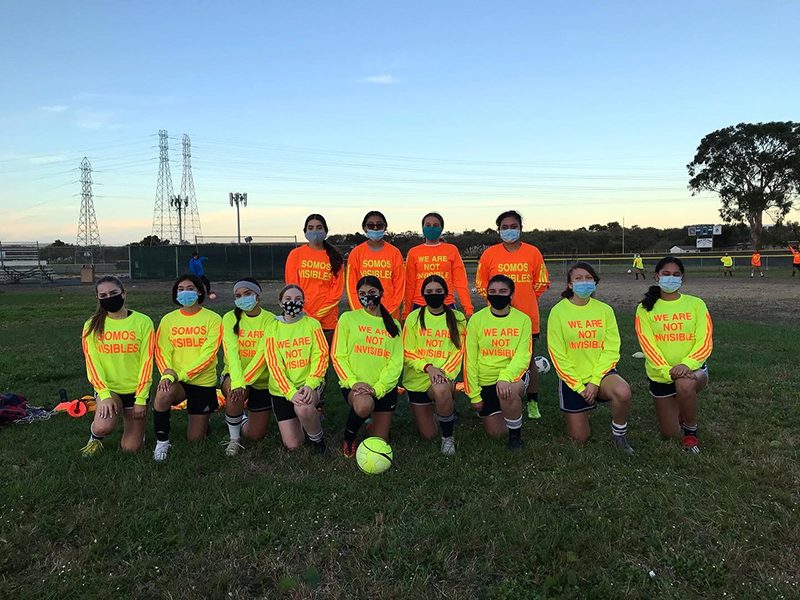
{"points": [[276, 364]]}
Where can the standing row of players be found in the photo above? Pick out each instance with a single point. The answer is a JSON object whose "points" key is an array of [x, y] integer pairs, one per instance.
{"points": [[277, 364]]}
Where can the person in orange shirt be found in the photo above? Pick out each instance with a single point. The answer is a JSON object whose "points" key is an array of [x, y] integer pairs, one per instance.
{"points": [[524, 264], [317, 269], [755, 263], [380, 259], [435, 257], [795, 258]]}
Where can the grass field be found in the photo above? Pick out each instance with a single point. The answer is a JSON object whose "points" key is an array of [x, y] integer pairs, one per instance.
{"points": [[552, 521]]}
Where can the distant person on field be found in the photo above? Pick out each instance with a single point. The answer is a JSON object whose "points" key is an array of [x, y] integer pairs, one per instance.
{"points": [[118, 346], [795, 258], [196, 268], [727, 265], [524, 265], [675, 333], [638, 266], [755, 263]]}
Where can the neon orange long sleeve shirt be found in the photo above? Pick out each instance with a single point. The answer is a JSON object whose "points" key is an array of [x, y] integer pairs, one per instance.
{"points": [[311, 270], [387, 265], [443, 260]]}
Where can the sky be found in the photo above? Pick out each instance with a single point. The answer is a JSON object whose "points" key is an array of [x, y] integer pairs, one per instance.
{"points": [[573, 113]]}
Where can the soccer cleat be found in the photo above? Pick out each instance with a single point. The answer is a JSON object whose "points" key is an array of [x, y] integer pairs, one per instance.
{"points": [[448, 446], [621, 442], [232, 447], [349, 448], [533, 410], [160, 452], [691, 444], [319, 448], [515, 443], [92, 447]]}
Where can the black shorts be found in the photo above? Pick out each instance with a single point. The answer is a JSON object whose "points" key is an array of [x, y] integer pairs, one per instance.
{"points": [[258, 400], [419, 398], [665, 390], [200, 400], [535, 337], [572, 402], [386, 403], [796, 266], [283, 409], [491, 402], [128, 400]]}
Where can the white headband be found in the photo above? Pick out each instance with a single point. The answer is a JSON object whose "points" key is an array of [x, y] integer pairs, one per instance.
{"points": [[248, 285]]}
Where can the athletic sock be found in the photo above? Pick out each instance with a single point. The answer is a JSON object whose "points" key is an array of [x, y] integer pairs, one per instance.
{"points": [[619, 430], [514, 427], [99, 438], [689, 429], [446, 422], [161, 424], [354, 423], [234, 426], [317, 437]]}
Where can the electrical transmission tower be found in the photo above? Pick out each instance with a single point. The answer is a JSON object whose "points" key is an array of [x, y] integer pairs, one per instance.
{"points": [[164, 227], [191, 221], [87, 246]]}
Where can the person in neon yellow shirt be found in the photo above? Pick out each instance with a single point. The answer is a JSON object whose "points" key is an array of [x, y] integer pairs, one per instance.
{"points": [[433, 351], [368, 358], [583, 341], [296, 352], [118, 347], [498, 354], [727, 265], [245, 377], [187, 342], [638, 266], [676, 335]]}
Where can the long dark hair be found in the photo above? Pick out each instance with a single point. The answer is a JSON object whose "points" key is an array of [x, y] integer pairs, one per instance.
{"points": [[238, 311], [568, 293], [653, 293], [388, 320], [450, 316], [196, 281], [334, 256], [98, 320]]}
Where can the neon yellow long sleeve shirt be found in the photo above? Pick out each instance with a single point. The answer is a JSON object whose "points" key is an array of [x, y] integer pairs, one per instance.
{"points": [[431, 345], [675, 332], [121, 358], [583, 342], [497, 349], [188, 344], [363, 351], [638, 263], [296, 354], [244, 353]]}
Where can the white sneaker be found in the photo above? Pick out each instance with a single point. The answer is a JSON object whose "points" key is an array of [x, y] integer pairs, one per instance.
{"points": [[232, 447], [160, 453], [448, 446]]}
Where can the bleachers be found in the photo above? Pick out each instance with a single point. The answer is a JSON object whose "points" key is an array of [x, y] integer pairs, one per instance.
{"points": [[19, 261]]}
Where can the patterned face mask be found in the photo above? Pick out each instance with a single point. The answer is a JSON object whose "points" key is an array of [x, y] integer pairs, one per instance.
{"points": [[370, 300], [292, 308]]}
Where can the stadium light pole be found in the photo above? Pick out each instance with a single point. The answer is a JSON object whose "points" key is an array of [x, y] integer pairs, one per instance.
{"points": [[181, 203], [236, 199]]}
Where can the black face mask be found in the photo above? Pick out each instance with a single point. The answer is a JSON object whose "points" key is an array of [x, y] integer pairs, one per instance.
{"points": [[112, 303], [498, 302], [434, 300]]}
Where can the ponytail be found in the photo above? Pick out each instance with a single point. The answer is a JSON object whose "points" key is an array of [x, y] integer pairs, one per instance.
{"points": [[238, 313], [652, 294], [334, 256], [98, 320], [388, 322]]}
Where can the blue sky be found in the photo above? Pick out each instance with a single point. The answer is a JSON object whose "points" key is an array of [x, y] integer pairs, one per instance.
{"points": [[574, 114]]}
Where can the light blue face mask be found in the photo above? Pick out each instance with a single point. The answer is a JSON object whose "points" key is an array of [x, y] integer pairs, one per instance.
{"points": [[509, 236], [670, 283], [584, 289], [316, 236], [375, 236], [187, 297], [246, 303]]}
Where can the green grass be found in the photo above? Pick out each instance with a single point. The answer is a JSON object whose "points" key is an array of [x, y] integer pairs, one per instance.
{"points": [[553, 521]]}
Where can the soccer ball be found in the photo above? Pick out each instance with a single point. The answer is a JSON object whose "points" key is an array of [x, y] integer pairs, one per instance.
{"points": [[629, 270], [374, 456], [542, 364]]}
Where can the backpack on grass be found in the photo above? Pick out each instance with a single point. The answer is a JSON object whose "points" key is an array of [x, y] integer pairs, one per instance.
{"points": [[12, 407]]}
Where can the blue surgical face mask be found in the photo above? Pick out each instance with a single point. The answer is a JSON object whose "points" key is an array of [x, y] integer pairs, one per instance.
{"points": [[187, 298], [375, 236], [246, 303], [670, 283], [509, 236], [432, 232], [316, 236], [584, 289]]}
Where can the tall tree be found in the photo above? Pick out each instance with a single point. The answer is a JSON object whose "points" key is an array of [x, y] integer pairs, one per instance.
{"points": [[754, 168]]}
